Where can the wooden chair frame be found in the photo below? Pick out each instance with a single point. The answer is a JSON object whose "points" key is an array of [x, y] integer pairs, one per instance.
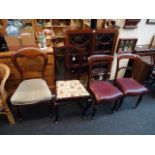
{"points": [[118, 68], [59, 102], [5, 72], [96, 60], [125, 56], [29, 53]]}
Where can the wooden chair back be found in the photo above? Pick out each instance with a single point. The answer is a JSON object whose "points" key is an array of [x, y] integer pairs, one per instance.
{"points": [[127, 56], [152, 68], [99, 67], [25, 61], [70, 60]]}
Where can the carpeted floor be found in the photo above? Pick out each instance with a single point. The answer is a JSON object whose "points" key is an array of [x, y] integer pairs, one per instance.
{"points": [[126, 121]]}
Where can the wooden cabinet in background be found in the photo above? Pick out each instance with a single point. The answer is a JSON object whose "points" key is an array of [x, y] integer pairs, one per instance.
{"points": [[104, 41], [101, 41], [14, 79], [91, 42]]}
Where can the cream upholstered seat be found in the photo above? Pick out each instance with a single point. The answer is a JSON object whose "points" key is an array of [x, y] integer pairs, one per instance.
{"points": [[30, 92]]}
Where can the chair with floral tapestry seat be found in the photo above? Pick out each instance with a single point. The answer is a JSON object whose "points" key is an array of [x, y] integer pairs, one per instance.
{"points": [[4, 108], [68, 88], [102, 91], [128, 85], [31, 90]]}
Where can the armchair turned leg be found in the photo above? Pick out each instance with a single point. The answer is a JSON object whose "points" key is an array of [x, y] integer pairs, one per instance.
{"points": [[120, 104], [10, 117], [139, 100], [9, 112]]}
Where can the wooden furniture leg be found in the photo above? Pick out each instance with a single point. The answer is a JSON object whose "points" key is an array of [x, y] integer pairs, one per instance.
{"points": [[120, 103], [56, 110], [94, 111], [10, 116], [139, 100], [86, 108], [116, 104]]}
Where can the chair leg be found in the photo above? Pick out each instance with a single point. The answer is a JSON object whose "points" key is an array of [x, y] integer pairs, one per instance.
{"points": [[120, 104], [19, 113], [151, 83], [56, 110], [86, 108], [115, 106], [139, 100], [10, 116], [94, 111], [50, 109]]}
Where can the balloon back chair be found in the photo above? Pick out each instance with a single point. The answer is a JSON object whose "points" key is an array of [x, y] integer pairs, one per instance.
{"points": [[128, 85], [31, 90], [101, 90]]}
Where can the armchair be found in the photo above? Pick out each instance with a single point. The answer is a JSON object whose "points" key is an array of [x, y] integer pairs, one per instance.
{"points": [[4, 108]]}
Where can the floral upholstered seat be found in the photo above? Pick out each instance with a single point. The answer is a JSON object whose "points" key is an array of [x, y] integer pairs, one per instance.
{"points": [[69, 89]]}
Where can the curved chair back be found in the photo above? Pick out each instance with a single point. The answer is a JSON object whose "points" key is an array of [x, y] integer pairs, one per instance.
{"points": [[127, 56], [25, 61], [99, 67]]}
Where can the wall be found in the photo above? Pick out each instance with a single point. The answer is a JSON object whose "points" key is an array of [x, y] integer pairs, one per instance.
{"points": [[143, 32]]}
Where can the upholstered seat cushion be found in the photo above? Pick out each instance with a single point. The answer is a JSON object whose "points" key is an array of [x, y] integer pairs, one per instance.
{"points": [[30, 92], [130, 86], [104, 91], [70, 89]]}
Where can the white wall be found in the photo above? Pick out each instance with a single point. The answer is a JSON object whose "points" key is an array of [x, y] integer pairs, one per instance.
{"points": [[143, 32]]}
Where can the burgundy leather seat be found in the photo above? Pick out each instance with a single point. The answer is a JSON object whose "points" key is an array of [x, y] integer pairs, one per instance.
{"points": [[104, 91], [130, 86]]}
